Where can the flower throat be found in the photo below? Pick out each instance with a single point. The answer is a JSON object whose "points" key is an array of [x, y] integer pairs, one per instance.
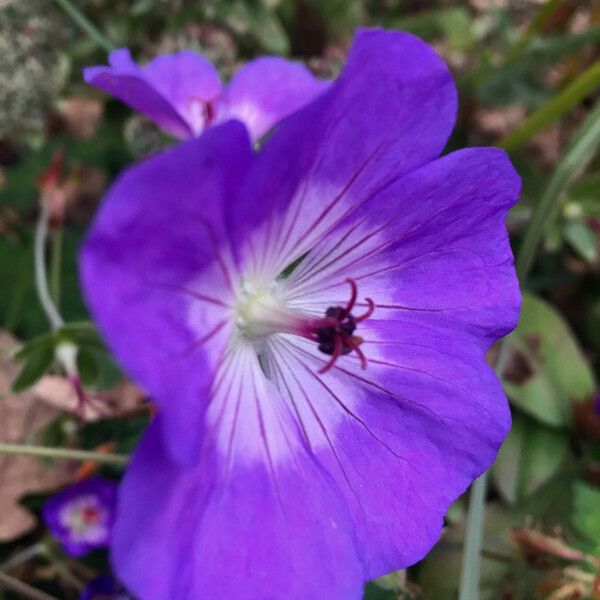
{"points": [[260, 315]]}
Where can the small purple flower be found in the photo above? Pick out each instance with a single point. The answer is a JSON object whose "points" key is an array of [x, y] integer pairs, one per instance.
{"points": [[596, 405], [104, 588], [81, 516], [183, 93], [311, 320]]}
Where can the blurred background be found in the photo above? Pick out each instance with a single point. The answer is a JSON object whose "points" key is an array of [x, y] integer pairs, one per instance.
{"points": [[528, 73]]}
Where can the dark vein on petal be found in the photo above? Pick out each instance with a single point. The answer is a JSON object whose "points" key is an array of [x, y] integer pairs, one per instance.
{"points": [[339, 401], [321, 426]]}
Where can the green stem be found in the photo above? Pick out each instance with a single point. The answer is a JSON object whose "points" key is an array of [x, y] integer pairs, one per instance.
{"points": [[557, 106], [23, 589], [56, 241], [22, 557], [580, 153], [41, 278], [83, 23], [471, 564], [469, 574], [63, 453]]}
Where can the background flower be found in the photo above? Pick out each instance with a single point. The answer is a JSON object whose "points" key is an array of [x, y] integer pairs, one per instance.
{"points": [[183, 93], [81, 516]]}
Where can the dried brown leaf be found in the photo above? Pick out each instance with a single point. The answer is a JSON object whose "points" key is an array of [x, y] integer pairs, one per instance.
{"points": [[22, 418]]}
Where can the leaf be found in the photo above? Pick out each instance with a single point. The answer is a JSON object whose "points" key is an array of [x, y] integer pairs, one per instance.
{"points": [[82, 334], [36, 363], [557, 106], [454, 24], [546, 370], [586, 516], [529, 457], [34, 345], [87, 366], [582, 239]]}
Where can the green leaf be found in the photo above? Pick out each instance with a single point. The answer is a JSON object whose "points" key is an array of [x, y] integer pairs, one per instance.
{"points": [[529, 457], [586, 516], [582, 239], [557, 106], [581, 150], [36, 364], [34, 345], [546, 370], [82, 334], [87, 366], [454, 24]]}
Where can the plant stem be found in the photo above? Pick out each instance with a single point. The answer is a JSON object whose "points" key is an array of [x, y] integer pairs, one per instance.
{"points": [[470, 568], [557, 106], [469, 574], [22, 557], [580, 153], [63, 453], [23, 589], [84, 23], [56, 265], [41, 279]]}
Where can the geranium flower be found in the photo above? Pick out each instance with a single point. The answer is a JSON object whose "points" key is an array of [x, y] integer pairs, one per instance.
{"points": [[311, 320], [104, 588], [183, 94], [81, 516]]}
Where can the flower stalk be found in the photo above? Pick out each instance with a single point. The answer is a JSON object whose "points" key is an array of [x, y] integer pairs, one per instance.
{"points": [[63, 453], [41, 277]]}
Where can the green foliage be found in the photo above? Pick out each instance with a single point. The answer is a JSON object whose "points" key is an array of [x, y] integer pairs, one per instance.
{"points": [[36, 362], [547, 370], [586, 515], [530, 456]]}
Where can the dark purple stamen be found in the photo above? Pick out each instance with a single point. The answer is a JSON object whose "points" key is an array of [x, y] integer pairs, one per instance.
{"points": [[335, 332]]}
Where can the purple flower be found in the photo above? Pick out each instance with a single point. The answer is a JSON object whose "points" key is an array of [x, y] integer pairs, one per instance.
{"points": [[81, 516], [104, 588], [183, 93], [312, 321]]}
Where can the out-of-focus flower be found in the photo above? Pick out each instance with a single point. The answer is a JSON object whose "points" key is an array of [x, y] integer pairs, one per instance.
{"points": [[81, 516], [104, 588], [183, 93], [312, 321]]}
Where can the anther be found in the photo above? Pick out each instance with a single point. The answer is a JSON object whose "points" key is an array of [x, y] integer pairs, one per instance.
{"points": [[335, 332]]}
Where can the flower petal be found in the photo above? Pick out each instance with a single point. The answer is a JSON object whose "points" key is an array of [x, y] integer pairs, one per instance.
{"points": [[390, 111], [156, 276], [256, 518], [169, 90], [431, 247], [404, 439], [406, 436], [267, 90]]}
